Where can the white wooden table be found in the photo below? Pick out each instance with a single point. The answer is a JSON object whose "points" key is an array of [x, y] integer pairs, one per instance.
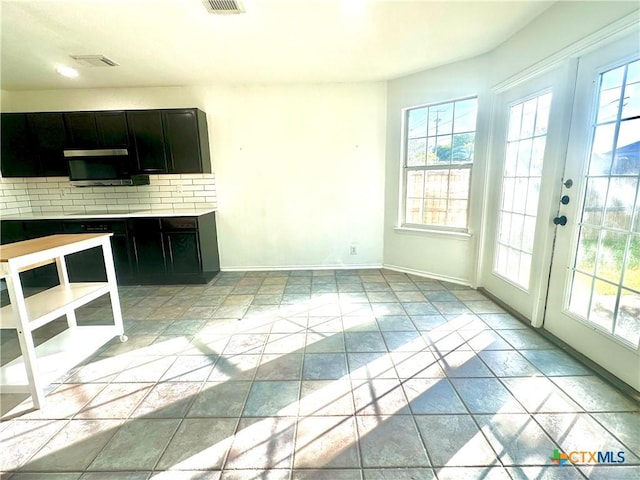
{"points": [[41, 365]]}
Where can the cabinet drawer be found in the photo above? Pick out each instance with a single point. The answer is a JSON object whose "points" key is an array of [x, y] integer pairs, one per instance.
{"points": [[179, 223]]}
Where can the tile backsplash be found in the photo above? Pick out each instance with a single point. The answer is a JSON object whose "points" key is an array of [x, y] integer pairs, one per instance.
{"points": [[56, 194]]}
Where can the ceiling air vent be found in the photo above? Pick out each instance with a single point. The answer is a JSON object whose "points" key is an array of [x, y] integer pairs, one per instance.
{"points": [[223, 7], [94, 61]]}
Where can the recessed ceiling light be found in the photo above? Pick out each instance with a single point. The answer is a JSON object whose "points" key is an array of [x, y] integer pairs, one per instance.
{"points": [[67, 71]]}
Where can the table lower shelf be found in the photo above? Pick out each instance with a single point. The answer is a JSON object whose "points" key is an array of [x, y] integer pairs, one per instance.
{"points": [[53, 303], [57, 356]]}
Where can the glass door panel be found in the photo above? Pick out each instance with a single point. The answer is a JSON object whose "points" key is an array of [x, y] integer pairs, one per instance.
{"points": [[522, 175], [607, 260]]}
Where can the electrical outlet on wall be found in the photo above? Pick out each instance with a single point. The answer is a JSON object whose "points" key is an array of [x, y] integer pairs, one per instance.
{"points": [[179, 188], [353, 248]]}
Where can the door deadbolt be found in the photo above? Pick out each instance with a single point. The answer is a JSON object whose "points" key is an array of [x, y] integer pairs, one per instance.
{"points": [[568, 183], [561, 220], [565, 199]]}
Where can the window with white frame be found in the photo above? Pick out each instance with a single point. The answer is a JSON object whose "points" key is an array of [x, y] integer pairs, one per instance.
{"points": [[438, 155]]}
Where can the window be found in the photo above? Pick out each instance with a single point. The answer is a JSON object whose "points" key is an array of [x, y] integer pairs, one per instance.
{"points": [[438, 154]]}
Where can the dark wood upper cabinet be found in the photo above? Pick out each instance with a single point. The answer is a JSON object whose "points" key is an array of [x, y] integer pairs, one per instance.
{"points": [[48, 138], [96, 129], [159, 141], [147, 139], [112, 129], [187, 141], [32, 145], [82, 131], [18, 159]]}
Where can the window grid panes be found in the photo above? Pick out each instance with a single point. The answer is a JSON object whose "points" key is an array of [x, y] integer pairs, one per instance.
{"points": [[605, 288], [524, 155], [439, 142]]}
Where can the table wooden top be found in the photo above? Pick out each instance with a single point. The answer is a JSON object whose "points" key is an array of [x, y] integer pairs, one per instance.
{"points": [[28, 247]]}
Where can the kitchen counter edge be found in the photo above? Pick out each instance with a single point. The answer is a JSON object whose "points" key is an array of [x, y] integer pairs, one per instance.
{"points": [[89, 215]]}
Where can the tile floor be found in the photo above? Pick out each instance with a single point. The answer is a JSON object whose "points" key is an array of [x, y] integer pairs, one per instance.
{"points": [[324, 375]]}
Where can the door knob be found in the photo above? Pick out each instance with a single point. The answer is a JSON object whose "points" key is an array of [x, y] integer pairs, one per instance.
{"points": [[561, 220], [564, 200]]}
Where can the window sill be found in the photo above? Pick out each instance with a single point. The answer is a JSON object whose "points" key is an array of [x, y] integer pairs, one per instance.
{"points": [[458, 235]]}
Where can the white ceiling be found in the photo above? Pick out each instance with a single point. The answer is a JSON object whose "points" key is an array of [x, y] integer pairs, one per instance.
{"points": [[177, 42]]}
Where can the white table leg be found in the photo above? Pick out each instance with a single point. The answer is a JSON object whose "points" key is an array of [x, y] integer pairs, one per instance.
{"points": [[113, 287], [25, 338], [63, 276]]}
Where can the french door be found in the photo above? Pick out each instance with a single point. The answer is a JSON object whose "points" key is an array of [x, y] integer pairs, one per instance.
{"points": [[530, 129], [594, 285]]}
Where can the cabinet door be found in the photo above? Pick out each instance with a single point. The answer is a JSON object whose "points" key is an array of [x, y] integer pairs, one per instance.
{"points": [[48, 136], [183, 142], [47, 275], [122, 257], [42, 228], [86, 266], [11, 231], [82, 131], [148, 247], [147, 138], [208, 238], [183, 252], [17, 157], [112, 129]]}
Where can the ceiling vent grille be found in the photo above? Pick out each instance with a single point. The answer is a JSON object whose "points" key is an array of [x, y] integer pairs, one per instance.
{"points": [[223, 7], [94, 61]]}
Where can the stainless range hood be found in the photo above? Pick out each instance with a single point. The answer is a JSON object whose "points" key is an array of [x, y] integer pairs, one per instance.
{"points": [[132, 181], [102, 167], [97, 152]]}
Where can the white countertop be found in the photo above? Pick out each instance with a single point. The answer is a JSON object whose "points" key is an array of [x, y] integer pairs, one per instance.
{"points": [[195, 212]]}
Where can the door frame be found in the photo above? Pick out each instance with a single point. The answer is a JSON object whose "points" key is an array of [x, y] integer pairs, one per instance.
{"points": [[561, 82]]}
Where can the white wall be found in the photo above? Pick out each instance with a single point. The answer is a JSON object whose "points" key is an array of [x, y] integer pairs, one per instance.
{"points": [[299, 168], [454, 257], [565, 23], [302, 176]]}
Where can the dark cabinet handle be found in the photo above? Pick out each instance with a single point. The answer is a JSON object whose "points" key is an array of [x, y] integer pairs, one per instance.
{"points": [[561, 220], [565, 199]]}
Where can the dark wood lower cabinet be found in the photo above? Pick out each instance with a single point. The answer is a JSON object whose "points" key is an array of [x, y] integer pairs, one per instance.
{"points": [[184, 252], [175, 249], [88, 265], [45, 276], [148, 248], [146, 251], [16, 230]]}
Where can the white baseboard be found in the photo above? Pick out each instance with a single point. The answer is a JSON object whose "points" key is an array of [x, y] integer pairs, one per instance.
{"points": [[419, 273], [431, 275], [299, 267]]}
